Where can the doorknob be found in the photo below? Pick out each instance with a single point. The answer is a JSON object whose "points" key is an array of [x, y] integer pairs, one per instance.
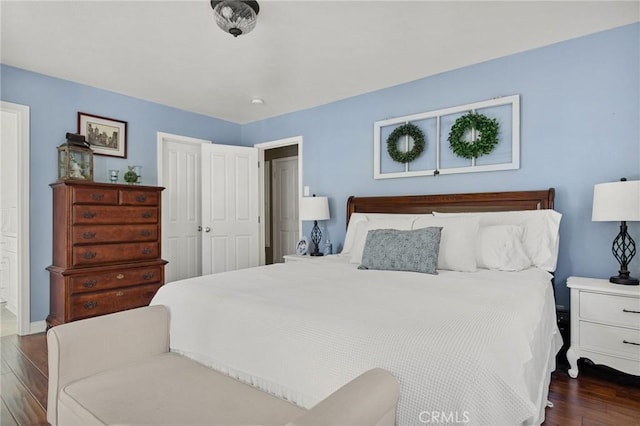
{"points": [[207, 229]]}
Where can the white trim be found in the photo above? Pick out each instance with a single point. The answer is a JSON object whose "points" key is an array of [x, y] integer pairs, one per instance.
{"points": [[513, 100], [262, 147], [37, 327], [24, 289]]}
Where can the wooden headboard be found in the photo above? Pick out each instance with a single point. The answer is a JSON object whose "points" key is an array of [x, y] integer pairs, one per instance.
{"points": [[448, 203]]}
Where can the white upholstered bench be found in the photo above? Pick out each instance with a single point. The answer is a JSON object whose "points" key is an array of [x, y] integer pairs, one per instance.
{"points": [[117, 369]]}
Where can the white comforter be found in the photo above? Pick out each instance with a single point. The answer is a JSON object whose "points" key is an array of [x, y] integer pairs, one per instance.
{"points": [[472, 348]]}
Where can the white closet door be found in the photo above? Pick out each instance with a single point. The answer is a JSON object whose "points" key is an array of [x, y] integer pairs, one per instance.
{"points": [[181, 209], [230, 208]]}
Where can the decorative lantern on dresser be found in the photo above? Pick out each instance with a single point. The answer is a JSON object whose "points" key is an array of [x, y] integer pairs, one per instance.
{"points": [[75, 159], [106, 249]]}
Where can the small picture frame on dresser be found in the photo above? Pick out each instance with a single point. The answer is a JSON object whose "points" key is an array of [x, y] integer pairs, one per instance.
{"points": [[302, 246]]}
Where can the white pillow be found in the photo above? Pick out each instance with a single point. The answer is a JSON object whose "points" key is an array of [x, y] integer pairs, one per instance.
{"points": [[457, 241], [355, 220], [541, 237], [402, 223], [355, 227], [500, 247]]}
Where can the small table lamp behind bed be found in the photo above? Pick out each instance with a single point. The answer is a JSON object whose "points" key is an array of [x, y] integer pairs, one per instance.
{"points": [[315, 208]]}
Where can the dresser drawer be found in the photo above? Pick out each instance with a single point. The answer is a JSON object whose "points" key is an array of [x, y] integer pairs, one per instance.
{"points": [[106, 302], [612, 340], [84, 195], [113, 253], [610, 309], [138, 198], [92, 234], [115, 279], [83, 215]]}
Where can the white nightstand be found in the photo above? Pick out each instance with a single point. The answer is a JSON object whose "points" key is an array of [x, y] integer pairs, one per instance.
{"points": [[605, 324]]}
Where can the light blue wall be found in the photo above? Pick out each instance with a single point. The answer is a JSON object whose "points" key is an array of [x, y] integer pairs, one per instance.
{"points": [[580, 125], [54, 105]]}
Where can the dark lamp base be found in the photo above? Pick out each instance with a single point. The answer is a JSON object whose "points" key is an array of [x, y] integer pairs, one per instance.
{"points": [[316, 254], [624, 280]]}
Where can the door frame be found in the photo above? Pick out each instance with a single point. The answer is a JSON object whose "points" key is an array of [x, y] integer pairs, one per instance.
{"points": [[296, 140], [23, 319], [262, 147]]}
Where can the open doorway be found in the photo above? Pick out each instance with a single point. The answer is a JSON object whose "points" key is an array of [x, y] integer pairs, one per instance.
{"points": [[14, 220], [281, 191]]}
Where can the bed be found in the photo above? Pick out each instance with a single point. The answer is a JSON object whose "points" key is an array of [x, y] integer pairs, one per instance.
{"points": [[468, 344]]}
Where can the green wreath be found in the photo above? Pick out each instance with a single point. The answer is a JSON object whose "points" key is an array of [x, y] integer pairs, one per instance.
{"points": [[488, 128], [418, 143]]}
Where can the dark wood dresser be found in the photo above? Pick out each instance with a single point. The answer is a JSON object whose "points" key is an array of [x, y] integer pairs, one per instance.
{"points": [[106, 249]]}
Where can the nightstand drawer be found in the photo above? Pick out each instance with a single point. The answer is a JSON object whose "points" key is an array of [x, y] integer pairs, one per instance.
{"points": [[613, 340], [610, 309]]}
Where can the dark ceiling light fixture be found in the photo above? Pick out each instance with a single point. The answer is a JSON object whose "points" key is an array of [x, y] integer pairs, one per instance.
{"points": [[236, 17]]}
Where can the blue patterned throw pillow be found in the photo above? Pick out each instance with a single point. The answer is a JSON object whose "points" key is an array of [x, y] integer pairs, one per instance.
{"points": [[395, 250]]}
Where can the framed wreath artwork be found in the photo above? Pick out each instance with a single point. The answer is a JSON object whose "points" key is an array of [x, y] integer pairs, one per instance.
{"points": [[481, 136], [106, 136]]}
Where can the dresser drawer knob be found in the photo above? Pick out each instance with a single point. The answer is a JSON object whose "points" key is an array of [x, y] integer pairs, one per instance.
{"points": [[119, 276], [89, 254], [141, 198], [147, 250], [147, 215], [145, 233], [629, 311], [90, 305], [120, 293], [88, 235], [97, 197], [90, 283], [147, 276], [630, 343], [89, 215]]}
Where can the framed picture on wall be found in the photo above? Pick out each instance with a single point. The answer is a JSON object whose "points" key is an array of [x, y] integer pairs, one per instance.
{"points": [[107, 136]]}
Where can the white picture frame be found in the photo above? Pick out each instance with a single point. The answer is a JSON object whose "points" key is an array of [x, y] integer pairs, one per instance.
{"points": [[302, 247], [437, 146]]}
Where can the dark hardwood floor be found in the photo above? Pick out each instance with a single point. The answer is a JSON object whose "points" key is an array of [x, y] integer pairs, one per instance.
{"points": [[24, 380], [597, 397]]}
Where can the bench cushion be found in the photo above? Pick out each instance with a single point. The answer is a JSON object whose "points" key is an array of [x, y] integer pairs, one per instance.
{"points": [[170, 389]]}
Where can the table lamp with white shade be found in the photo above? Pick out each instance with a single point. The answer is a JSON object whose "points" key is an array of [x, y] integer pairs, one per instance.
{"points": [[619, 201], [315, 208]]}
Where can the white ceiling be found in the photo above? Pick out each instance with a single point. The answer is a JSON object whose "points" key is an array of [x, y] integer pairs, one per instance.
{"points": [[301, 54]]}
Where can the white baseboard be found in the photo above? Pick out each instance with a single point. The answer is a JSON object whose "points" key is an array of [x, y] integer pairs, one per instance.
{"points": [[37, 327]]}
